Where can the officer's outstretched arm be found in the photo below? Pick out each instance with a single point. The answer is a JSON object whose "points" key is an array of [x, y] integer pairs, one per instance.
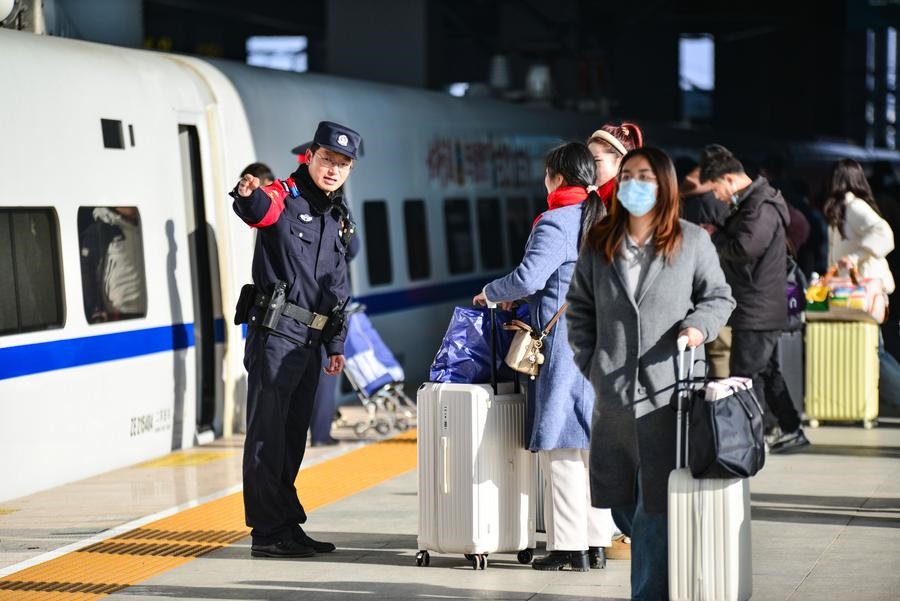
{"points": [[258, 206]]}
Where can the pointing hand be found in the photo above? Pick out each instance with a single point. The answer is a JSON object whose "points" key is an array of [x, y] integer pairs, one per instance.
{"points": [[247, 185]]}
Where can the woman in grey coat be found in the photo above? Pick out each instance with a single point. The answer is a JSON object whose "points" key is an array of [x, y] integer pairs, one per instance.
{"points": [[643, 279], [560, 401]]}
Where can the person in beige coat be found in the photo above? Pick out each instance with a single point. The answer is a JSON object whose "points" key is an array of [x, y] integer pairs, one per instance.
{"points": [[858, 236]]}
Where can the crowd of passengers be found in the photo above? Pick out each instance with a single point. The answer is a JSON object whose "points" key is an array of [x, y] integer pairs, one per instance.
{"points": [[642, 258]]}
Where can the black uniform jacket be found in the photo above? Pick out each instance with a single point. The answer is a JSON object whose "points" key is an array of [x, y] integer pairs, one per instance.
{"points": [[296, 245], [753, 255]]}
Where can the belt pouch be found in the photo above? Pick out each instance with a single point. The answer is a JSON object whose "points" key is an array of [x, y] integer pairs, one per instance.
{"points": [[244, 303]]}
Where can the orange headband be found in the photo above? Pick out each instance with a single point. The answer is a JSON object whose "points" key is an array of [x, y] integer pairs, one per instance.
{"points": [[611, 140]]}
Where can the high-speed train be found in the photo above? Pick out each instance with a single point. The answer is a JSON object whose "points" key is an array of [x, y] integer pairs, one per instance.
{"points": [[121, 259]]}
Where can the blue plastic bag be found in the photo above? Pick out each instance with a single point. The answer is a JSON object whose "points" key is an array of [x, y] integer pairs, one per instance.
{"points": [[464, 356]]}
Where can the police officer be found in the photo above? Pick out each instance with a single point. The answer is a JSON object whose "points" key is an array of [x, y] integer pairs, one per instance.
{"points": [[300, 287]]}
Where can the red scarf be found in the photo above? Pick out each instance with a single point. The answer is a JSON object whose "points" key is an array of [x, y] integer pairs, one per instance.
{"points": [[564, 196], [606, 191]]}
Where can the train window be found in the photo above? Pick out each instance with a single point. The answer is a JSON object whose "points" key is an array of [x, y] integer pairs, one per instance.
{"points": [[378, 242], [416, 225], [30, 276], [490, 233], [519, 217], [112, 133], [458, 230], [113, 283]]}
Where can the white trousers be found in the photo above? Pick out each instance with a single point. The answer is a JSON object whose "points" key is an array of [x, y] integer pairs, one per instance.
{"points": [[571, 523]]}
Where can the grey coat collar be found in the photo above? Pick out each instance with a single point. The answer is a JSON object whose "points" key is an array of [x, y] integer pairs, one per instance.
{"points": [[653, 271]]}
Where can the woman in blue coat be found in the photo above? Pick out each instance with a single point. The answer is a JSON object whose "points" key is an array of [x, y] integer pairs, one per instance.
{"points": [[560, 400]]}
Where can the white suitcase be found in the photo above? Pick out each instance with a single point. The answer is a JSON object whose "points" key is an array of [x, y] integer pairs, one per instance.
{"points": [[537, 496], [475, 477], [709, 529]]}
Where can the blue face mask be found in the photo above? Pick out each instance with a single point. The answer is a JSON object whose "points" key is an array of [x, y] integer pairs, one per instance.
{"points": [[637, 197]]}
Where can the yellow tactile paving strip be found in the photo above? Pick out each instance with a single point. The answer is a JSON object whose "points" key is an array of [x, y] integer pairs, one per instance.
{"points": [[186, 458], [116, 563]]}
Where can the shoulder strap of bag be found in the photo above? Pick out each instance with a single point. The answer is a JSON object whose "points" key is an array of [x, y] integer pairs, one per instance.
{"points": [[517, 325], [555, 318]]}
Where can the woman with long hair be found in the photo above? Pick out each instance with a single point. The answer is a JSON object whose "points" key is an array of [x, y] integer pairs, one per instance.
{"points": [[858, 236], [560, 400], [644, 278]]}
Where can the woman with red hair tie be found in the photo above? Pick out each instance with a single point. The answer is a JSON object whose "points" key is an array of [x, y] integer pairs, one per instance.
{"points": [[608, 145]]}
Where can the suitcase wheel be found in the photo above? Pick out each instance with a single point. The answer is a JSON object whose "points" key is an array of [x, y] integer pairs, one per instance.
{"points": [[479, 562], [382, 427], [868, 424], [423, 559], [813, 423], [525, 556]]}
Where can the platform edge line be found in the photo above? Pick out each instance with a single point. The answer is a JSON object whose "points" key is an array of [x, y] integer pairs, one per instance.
{"points": [[116, 530], [143, 521]]}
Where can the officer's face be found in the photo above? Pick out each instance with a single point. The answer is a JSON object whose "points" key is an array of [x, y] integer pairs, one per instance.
{"points": [[329, 169]]}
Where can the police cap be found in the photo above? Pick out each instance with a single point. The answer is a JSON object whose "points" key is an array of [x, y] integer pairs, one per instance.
{"points": [[338, 138]]}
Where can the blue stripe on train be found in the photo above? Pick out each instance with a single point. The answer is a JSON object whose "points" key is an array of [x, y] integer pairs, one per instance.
{"points": [[61, 354]]}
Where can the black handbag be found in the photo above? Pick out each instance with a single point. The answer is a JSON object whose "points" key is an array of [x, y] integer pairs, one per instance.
{"points": [[726, 435]]}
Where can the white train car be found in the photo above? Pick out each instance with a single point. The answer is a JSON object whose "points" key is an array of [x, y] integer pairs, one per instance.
{"points": [[121, 259]]}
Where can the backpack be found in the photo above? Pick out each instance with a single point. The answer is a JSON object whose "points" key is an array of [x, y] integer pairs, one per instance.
{"points": [[796, 295]]}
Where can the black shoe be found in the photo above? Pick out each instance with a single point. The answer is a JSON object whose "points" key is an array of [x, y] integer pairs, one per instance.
{"points": [[597, 556], [577, 561], [328, 442], [285, 548], [791, 441], [304, 539]]}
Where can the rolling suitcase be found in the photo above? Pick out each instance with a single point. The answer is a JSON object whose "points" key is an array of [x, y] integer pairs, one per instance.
{"points": [[790, 361], [475, 476], [842, 371], [709, 524], [537, 497]]}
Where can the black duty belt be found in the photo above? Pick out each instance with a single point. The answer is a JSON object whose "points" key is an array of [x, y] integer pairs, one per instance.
{"points": [[308, 318]]}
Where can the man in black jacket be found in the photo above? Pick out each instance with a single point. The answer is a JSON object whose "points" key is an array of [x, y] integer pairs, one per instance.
{"points": [[698, 201], [752, 250]]}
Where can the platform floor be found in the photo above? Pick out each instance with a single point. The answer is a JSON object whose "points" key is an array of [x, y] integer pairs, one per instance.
{"points": [[826, 525]]}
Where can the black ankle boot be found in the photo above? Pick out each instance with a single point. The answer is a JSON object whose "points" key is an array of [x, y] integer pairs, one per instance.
{"points": [[597, 556], [577, 561]]}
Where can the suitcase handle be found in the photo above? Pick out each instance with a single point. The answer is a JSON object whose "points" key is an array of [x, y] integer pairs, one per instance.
{"points": [[492, 312], [445, 460], [683, 388]]}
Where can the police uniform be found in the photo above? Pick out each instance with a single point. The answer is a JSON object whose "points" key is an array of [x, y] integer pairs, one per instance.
{"points": [[301, 247]]}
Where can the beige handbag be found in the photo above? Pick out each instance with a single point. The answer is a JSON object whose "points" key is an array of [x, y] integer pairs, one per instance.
{"points": [[524, 354]]}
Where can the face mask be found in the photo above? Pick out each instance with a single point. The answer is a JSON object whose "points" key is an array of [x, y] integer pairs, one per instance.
{"points": [[637, 197]]}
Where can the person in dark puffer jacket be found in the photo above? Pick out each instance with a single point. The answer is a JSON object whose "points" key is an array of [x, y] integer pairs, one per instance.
{"points": [[752, 251]]}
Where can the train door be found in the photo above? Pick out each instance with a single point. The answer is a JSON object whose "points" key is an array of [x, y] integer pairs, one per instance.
{"points": [[202, 252]]}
